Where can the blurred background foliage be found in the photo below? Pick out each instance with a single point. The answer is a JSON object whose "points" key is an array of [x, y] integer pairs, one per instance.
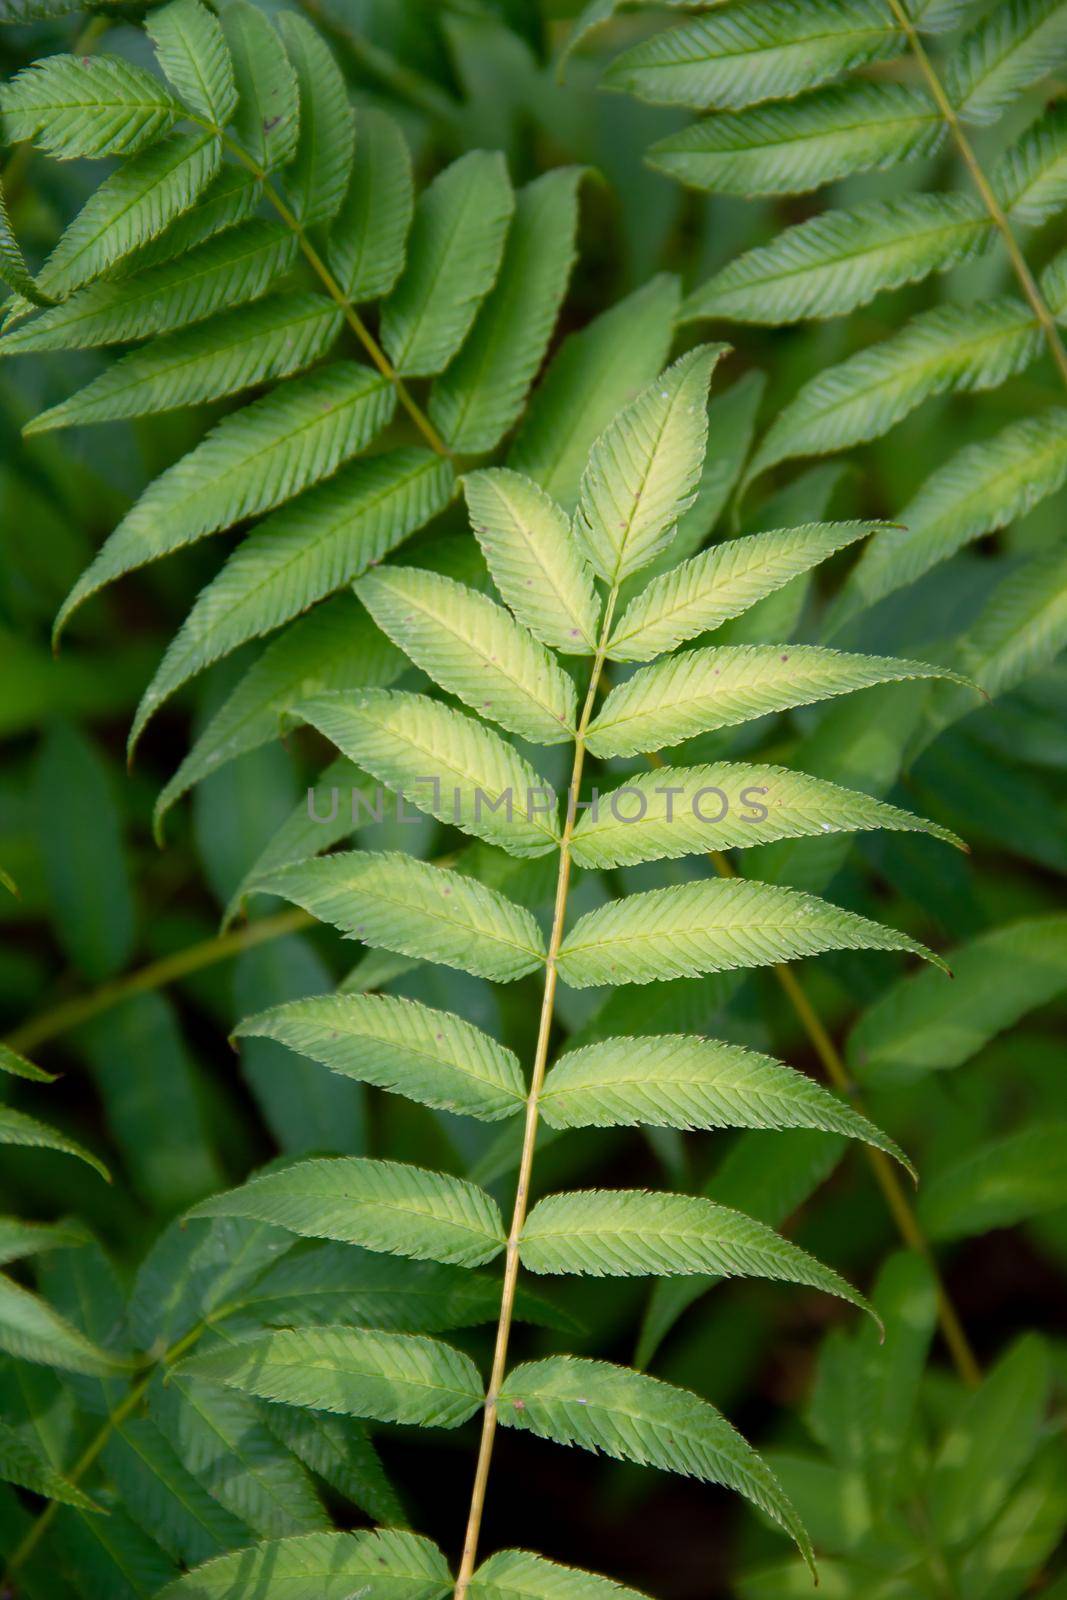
{"points": [[914, 1482]]}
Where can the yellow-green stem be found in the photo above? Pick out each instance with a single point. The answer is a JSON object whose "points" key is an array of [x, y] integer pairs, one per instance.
{"points": [[1027, 282], [72, 1013], [36, 1532], [537, 1075]]}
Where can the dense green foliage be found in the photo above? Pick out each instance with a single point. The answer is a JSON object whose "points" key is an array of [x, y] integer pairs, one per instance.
{"points": [[512, 628]]}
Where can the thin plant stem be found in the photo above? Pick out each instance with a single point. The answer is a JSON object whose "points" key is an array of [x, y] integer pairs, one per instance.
{"points": [[1027, 282], [537, 1074], [126, 1407], [336, 293], [81, 1008]]}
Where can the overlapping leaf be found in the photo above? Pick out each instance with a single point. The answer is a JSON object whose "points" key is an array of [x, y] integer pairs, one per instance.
{"points": [[473, 648], [401, 904], [381, 1205], [402, 1045], [393, 1377]]}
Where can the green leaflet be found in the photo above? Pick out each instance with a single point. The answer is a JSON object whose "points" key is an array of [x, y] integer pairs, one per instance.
{"points": [[250, 462], [401, 1045], [334, 1283], [21, 1463], [842, 259], [723, 685], [316, 179], [948, 348], [473, 648], [11, 1062], [915, 1028], [720, 583], [680, 811], [998, 1185], [381, 1205], [592, 375], [457, 241], [314, 546], [644, 470], [680, 1081], [72, 106], [13, 269], [236, 266], [16, 1128], [334, 647], [758, 50], [232, 351], [634, 1418], [32, 1331], [192, 52], [323, 1566], [405, 905], [131, 207], [266, 122], [638, 1233], [990, 1438], [791, 146], [481, 395], [511, 1573], [712, 926], [220, 1438], [160, 1492], [534, 560], [443, 762], [229, 198], [981, 488], [393, 1377], [1030, 178], [340, 1452], [21, 1239], [367, 241], [1015, 45], [110, 1553]]}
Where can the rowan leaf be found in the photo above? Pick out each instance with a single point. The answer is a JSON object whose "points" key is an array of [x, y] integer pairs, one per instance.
{"points": [[232, 351], [251, 461], [393, 1377], [685, 1081], [457, 241], [76, 106], [757, 50], [474, 649], [368, 239], [535, 562], [401, 1045], [316, 545], [644, 470], [791, 146], [266, 122], [710, 588], [401, 904], [481, 394], [842, 259], [381, 1205], [723, 685], [443, 762], [316, 180], [322, 1566], [638, 1233], [192, 51], [709, 926], [680, 811], [615, 1412]]}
